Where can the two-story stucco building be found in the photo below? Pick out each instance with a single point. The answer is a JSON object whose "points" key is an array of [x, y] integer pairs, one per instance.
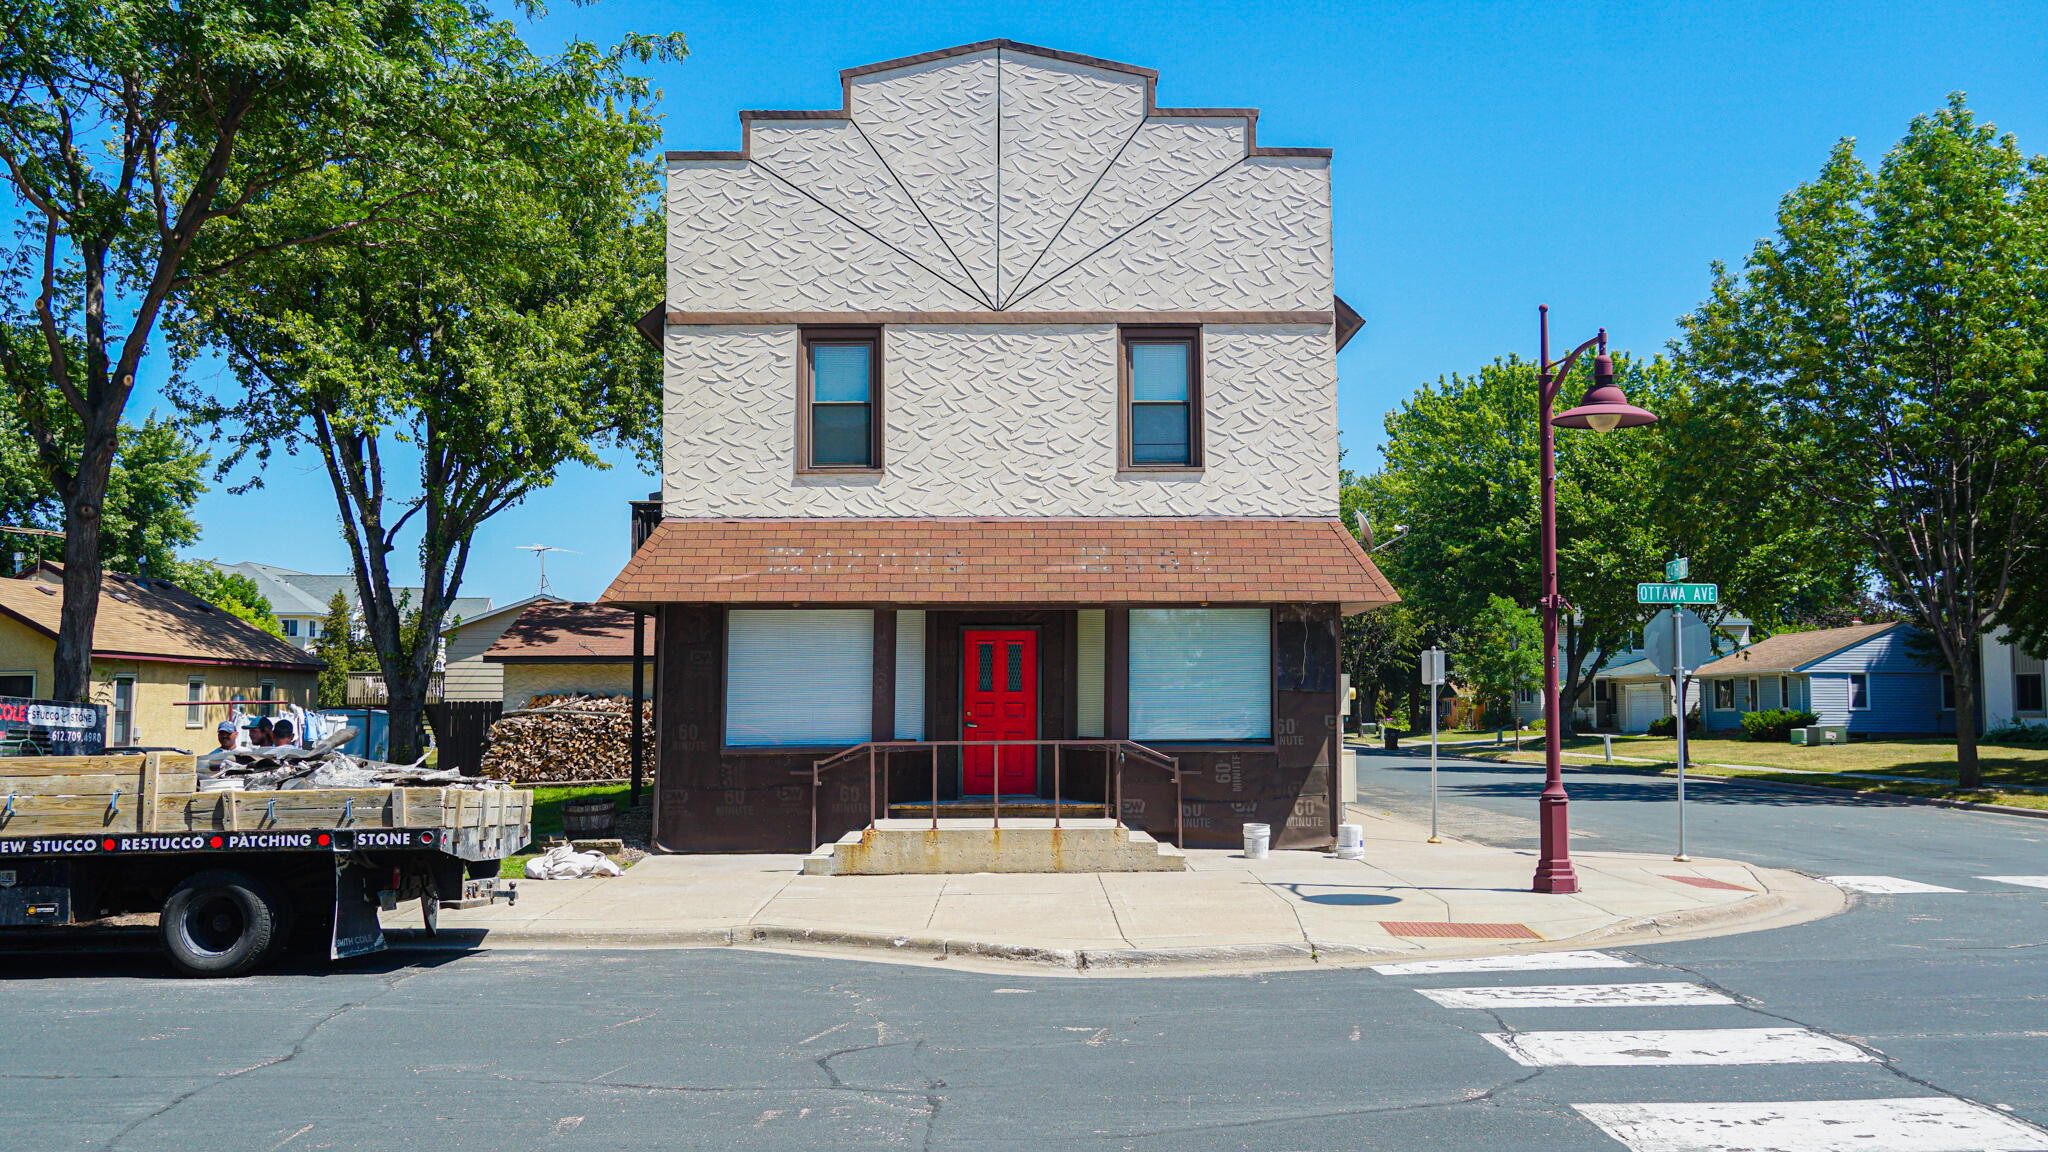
{"points": [[1000, 405]]}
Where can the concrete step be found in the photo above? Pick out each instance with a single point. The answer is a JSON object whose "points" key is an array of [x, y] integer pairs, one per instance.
{"points": [[964, 844], [1022, 807]]}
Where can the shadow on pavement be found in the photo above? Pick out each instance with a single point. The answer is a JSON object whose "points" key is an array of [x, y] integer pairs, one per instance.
{"points": [[1643, 789]]}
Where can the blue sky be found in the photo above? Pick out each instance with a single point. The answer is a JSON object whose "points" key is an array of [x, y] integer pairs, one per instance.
{"points": [[1489, 156]]}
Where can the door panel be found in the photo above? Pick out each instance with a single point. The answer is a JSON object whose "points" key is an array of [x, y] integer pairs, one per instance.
{"points": [[999, 701]]}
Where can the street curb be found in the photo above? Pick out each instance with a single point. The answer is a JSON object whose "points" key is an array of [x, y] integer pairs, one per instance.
{"points": [[1693, 772], [1764, 911]]}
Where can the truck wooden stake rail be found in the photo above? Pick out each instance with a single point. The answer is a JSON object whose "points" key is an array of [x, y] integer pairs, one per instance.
{"points": [[235, 875]]}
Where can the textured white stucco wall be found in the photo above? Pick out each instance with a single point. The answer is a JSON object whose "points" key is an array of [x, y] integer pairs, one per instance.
{"points": [[1002, 420], [993, 181]]}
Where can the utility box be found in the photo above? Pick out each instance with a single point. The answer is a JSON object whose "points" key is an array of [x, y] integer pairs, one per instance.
{"points": [[1821, 734]]}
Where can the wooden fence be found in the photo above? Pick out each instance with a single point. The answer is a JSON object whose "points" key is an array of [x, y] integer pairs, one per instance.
{"points": [[461, 730]]}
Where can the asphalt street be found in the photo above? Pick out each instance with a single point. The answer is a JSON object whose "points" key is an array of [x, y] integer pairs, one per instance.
{"points": [[1913, 1021]]}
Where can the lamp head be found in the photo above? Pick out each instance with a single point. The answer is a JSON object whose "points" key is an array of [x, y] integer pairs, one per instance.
{"points": [[1604, 408]]}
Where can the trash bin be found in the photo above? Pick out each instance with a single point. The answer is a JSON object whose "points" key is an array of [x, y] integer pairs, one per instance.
{"points": [[1393, 738], [1350, 841], [1256, 839]]}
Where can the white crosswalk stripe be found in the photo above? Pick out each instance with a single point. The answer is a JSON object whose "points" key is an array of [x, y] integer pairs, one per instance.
{"points": [[1521, 962], [1884, 885], [1913, 1124], [1655, 995], [2029, 881], [1679, 1047]]}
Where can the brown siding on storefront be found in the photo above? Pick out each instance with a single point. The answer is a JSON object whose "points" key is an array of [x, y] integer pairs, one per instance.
{"points": [[713, 799]]}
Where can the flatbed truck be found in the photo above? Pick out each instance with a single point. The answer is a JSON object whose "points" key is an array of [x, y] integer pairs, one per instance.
{"points": [[235, 876]]}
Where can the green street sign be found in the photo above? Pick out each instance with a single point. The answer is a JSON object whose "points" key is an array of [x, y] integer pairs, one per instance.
{"points": [[1678, 593], [1678, 568]]}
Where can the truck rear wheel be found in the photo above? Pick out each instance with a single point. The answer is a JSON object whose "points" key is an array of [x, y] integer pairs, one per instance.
{"points": [[221, 923]]}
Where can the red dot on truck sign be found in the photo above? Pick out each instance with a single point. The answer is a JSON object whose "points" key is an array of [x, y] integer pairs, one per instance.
{"points": [[325, 840], [107, 845], [214, 842]]}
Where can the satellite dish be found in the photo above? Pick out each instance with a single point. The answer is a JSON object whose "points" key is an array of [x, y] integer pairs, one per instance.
{"points": [[1364, 527]]}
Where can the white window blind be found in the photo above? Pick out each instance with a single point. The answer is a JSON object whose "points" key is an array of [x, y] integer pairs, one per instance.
{"points": [[1201, 674], [909, 674], [798, 677], [1088, 633]]}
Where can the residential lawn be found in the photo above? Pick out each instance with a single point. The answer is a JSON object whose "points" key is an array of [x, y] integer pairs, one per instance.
{"points": [[1932, 760], [547, 817]]}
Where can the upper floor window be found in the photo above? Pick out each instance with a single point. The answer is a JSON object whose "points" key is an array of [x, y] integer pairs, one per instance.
{"points": [[1162, 398], [839, 400]]}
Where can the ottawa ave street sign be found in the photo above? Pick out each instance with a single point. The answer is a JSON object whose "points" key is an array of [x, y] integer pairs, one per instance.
{"points": [[1678, 593]]}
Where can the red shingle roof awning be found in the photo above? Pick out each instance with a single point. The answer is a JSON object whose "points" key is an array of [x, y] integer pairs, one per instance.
{"points": [[1079, 561]]}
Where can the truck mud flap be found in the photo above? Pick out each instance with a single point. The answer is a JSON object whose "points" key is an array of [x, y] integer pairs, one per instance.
{"points": [[356, 930]]}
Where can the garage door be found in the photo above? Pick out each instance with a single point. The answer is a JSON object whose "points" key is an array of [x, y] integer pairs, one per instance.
{"points": [[1640, 704]]}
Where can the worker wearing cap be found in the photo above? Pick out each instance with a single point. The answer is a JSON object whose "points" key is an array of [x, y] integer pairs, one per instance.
{"points": [[226, 733], [258, 729], [281, 733]]}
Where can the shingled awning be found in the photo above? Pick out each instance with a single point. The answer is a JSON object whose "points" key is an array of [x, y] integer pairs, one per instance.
{"points": [[1079, 561]]}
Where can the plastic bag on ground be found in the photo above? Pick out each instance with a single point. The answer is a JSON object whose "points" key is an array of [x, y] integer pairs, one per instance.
{"points": [[565, 863]]}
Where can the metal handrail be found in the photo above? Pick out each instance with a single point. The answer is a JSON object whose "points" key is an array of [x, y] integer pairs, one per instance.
{"points": [[877, 753]]}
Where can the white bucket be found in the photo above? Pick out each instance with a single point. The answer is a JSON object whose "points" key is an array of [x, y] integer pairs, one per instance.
{"points": [[1256, 838], [1350, 841]]}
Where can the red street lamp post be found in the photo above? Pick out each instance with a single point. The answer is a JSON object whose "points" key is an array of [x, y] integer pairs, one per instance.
{"points": [[1603, 409]]}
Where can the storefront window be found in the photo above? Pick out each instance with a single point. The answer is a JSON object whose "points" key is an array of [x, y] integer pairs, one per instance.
{"points": [[799, 677], [1201, 674]]}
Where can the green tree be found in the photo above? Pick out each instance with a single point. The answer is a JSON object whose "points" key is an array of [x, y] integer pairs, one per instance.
{"points": [[1460, 471], [132, 135], [441, 375], [342, 646], [1887, 342], [1498, 653], [231, 592]]}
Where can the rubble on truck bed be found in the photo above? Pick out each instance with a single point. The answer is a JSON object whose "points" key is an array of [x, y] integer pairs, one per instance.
{"points": [[322, 766]]}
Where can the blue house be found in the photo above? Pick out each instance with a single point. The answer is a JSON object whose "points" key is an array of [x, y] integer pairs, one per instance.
{"points": [[1867, 677]]}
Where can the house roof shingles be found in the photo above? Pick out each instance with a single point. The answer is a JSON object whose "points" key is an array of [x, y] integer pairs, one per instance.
{"points": [[1792, 651], [149, 619], [1106, 560], [557, 631]]}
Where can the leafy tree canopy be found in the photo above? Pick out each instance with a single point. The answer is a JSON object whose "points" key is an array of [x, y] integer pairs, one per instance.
{"points": [[1886, 347]]}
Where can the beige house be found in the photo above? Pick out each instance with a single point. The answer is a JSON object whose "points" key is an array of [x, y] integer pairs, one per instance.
{"points": [[466, 674], [167, 665], [558, 648]]}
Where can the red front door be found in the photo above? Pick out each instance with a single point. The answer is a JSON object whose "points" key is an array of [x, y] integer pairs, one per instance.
{"points": [[999, 701]]}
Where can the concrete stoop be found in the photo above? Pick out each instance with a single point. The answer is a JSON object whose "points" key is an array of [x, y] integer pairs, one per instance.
{"points": [[964, 845]]}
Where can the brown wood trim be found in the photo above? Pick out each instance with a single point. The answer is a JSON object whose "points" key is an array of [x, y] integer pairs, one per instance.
{"points": [[1116, 674], [1149, 77], [842, 334], [882, 721], [1129, 335], [1318, 316], [986, 45]]}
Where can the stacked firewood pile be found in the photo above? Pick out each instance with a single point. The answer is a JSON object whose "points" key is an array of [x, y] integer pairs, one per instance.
{"points": [[566, 740]]}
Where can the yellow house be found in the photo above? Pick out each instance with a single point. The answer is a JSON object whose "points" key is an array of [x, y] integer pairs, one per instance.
{"points": [[165, 663]]}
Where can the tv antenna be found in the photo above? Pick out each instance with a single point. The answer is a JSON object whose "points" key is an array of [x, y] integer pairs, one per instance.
{"points": [[540, 553]]}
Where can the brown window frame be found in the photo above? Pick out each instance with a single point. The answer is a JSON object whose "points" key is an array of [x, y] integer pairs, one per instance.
{"points": [[808, 338], [1133, 334]]}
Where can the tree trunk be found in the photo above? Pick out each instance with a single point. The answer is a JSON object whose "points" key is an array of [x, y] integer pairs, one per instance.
{"points": [[82, 571], [1969, 773]]}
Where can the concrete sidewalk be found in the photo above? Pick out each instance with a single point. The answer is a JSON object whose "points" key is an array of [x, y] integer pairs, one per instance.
{"points": [[1408, 899]]}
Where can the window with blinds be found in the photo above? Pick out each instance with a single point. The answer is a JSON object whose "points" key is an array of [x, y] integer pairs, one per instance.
{"points": [[910, 674], [1088, 634], [798, 677], [1201, 674]]}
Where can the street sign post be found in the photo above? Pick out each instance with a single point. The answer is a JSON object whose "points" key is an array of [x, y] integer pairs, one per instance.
{"points": [[1651, 593], [1434, 673], [1677, 568]]}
